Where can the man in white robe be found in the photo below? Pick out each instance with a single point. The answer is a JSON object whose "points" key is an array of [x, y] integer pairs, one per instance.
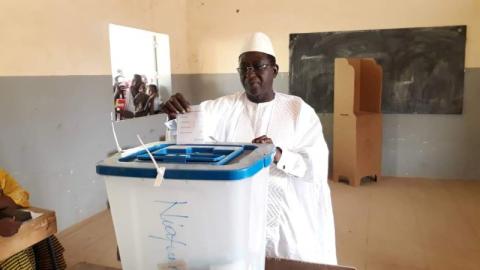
{"points": [[300, 223]]}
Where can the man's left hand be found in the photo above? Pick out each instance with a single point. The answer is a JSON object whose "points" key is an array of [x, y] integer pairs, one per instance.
{"points": [[6, 201], [266, 140]]}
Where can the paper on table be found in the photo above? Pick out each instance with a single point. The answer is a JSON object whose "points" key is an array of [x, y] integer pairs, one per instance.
{"points": [[191, 126], [34, 214]]}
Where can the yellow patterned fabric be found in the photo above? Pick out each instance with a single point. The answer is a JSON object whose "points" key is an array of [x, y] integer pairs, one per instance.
{"points": [[24, 260], [13, 190], [44, 261]]}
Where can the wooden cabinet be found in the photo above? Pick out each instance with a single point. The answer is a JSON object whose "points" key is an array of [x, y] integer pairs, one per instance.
{"points": [[357, 120]]}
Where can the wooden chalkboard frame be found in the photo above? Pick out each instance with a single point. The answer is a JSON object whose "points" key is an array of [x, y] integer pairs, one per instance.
{"points": [[423, 67]]}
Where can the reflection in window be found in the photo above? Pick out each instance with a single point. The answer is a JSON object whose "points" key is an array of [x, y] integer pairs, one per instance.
{"points": [[140, 70]]}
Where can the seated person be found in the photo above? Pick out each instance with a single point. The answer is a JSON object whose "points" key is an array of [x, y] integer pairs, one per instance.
{"points": [[12, 195]]}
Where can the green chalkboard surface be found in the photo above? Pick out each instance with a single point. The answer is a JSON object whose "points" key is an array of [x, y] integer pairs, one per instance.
{"points": [[423, 68]]}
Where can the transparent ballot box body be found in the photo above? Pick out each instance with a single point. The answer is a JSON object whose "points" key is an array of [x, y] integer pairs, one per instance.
{"points": [[208, 213]]}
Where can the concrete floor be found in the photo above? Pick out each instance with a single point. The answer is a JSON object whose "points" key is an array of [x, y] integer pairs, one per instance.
{"points": [[396, 223]]}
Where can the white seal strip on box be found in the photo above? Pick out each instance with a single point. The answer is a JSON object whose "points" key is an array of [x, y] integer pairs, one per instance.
{"points": [[119, 149], [160, 170]]}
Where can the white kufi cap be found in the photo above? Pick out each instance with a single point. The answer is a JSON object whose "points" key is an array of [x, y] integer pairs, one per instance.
{"points": [[258, 42]]}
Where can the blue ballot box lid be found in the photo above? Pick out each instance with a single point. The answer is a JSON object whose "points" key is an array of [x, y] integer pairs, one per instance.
{"points": [[190, 162]]}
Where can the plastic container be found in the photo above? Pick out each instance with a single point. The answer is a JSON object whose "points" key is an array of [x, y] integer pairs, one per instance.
{"points": [[209, 212]]}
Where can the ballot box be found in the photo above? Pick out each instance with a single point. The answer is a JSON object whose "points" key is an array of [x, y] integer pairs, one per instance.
{"points": [[208, 213]]}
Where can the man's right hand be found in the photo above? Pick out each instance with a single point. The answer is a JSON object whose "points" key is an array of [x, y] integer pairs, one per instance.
{"points": [[9, 227], [176, 104]]}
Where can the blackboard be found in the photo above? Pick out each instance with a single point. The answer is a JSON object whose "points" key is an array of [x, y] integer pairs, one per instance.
{"points": [[423, 68]]}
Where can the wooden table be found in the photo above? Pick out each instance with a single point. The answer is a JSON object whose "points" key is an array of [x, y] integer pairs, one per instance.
{"points": [[30, 233], [284, 264]]}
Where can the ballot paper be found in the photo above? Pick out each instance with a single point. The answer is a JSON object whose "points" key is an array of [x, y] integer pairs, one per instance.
{"points": [[191, 126]]}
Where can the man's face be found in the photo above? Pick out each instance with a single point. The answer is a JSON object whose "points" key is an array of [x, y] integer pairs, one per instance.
{"points": [[256, 74]]}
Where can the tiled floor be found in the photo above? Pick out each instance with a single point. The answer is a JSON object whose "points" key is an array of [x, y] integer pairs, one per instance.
{"points": [[393, 224]]}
